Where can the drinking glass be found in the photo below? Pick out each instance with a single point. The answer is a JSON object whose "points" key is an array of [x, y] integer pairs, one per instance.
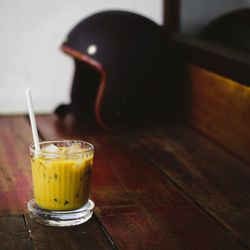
{"points": [[61, 174]]}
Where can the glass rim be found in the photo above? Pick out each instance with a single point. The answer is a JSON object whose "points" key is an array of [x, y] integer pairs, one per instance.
{"points": [[33, 150]]}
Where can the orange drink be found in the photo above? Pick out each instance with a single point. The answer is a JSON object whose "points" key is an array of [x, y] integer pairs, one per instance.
{"points": [[61, 173]]}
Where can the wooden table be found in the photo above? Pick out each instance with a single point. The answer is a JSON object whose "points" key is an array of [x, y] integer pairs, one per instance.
{"points": [[164, 187]]}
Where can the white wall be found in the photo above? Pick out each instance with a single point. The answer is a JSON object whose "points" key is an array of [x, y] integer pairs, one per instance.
{"points": [[31, 33]]}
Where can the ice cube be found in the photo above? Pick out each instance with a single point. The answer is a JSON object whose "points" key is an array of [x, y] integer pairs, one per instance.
{"points": [[51, 148], [74, 148]]}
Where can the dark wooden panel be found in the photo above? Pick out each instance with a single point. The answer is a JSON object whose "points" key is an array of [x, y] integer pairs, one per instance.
{"points": [[15, 178], [172, 15], [85, 236], [220, 108], [216, 180], [140, 207], [14, 234], [224, 61]]}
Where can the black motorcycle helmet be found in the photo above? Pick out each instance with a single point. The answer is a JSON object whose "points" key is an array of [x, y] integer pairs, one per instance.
{"points": [[124, 69]]}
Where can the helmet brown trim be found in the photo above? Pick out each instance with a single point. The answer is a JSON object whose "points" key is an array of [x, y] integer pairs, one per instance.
{"points": [[100, 93]]}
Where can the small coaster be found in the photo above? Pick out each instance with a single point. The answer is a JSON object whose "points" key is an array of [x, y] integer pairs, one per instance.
{"points": [[60, 218]]}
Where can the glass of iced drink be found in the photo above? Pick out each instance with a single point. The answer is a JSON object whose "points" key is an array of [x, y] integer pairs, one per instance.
{"points": [[61, 173]]}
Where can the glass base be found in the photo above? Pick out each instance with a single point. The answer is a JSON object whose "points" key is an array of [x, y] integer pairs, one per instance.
{"points": [[60, 218]]}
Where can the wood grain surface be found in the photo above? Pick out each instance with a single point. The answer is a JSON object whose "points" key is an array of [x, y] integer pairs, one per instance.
{"points": [[17, 231], [217, 181], [140, 207], [220, 108], [15, 177], [85, 236], [14, 233]]}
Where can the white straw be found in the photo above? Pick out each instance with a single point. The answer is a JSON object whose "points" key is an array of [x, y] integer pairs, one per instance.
{"points": [[32, 119]]}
